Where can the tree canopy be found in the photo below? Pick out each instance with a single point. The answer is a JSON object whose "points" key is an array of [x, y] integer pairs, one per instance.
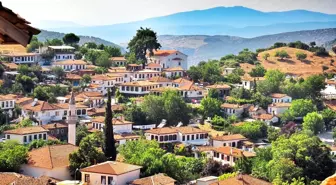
{"points": [[144, 41], [70, 39]]}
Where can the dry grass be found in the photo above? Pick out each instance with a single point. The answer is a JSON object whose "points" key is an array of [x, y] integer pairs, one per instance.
{"points": [[212, 132], [310, 66]]}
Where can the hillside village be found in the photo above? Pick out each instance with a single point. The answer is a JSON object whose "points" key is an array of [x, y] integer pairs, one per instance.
{"points": [[89, 114]]}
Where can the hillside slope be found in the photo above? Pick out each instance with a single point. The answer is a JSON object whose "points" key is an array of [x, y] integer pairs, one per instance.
{"points": [[311, 65], [44, 35], [202, 47], [237, 21]]}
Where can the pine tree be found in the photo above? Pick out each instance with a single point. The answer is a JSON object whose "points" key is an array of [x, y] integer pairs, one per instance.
{"points": [[109, 145]]}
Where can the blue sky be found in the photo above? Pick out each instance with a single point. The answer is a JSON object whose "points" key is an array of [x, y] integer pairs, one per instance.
{"points": [[102, 12]]}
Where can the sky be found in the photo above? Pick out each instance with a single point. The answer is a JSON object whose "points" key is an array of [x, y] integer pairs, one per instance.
{"points": [[104, 12]]}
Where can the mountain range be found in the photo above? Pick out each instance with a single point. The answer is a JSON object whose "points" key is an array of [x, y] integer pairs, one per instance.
{"points": [[236, 21], [204, 47]]}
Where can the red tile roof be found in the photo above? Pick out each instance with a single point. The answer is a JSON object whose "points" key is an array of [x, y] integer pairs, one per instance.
{"points": [[118, 59], [164, 52], [244, 180], [231, 106], [159, 79], [158, 179], [50, 157], [111, 168], [154, 65], [174, 130], [278, 95], [235, 152], [26, 130], [71, 62], [280, 105], [230, 137]]}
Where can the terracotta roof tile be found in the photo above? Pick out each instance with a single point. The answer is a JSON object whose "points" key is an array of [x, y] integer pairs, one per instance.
{"points": [[278, 95], [264, 116], [126, 136], [50, 157], [235, 152], [159, 179], [219, 86], [230, 137], [179, 68], [159, 79], [139, 83], [19, 179], [40, 106], [26, 130], [245, 180], [55, 125], [154, 65], [111, 168], [101, 119], [118, 59], [173, 130], [164, 52], [70, 76], [231, 106], [280, 105]]}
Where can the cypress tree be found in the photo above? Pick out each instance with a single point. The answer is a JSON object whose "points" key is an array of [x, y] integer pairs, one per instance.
{"points": [[109, 145]]}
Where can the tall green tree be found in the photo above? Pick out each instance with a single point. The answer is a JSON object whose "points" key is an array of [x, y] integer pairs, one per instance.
{"points": [[104, 60], [313, 122], [144, 41], [59, 73], [109, 144], [210, 107], [71, 39], [328, 117], [12, 156]]}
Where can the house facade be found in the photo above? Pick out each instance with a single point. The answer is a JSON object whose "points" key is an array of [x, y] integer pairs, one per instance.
{"points": [[232, 109], [119, 125], [70, 65], [22, 58], [186, 135], [228, 140], [110, 172], [278, 108], [137, 88], [62, 52], [229, 155], [118, 61], [26, 135], [280, 98], [169, 59]]}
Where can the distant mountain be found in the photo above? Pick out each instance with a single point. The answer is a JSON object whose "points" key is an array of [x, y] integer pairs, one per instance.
{"points": [[237, 21], [44, 35], [48, 24], [203, 47]]}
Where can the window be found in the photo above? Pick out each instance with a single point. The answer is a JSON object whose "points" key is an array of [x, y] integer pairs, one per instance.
{"points": [[40, 136], [24, 139], [103, 180], [202, 136], [62, 131], [161, 138], [170, 137], [109, 180], [197, 136], [78, 112], [152, 137], [84, 112], [30, 138], [174, 137], [228, 158], [166, 138], [35, 136], [57, 113], [192, 137], [183, 138], [188, 137], [205, 135], [8, 136], [65, 113], [44, 136]]}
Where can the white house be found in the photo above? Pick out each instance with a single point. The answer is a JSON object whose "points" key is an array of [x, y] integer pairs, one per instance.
{"points": [[25, 135], [278, 108], [174, 72], [22, 58], [223, 89], [118, 61], [228, 70], [92, 99], [165, 82], [154, 66], [69, 65], [229, 155], [145, 74], [192, 91], [137, 88], [232, 109], [228, 140], [169, 58], [45, 112], [62, 52], [280, 98], [110, 172], [51, 161], [125, 137], [185, 135], [7, 103], [119, 125], [123, 72], [248, 82], [267, 118], [105, 82]]}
